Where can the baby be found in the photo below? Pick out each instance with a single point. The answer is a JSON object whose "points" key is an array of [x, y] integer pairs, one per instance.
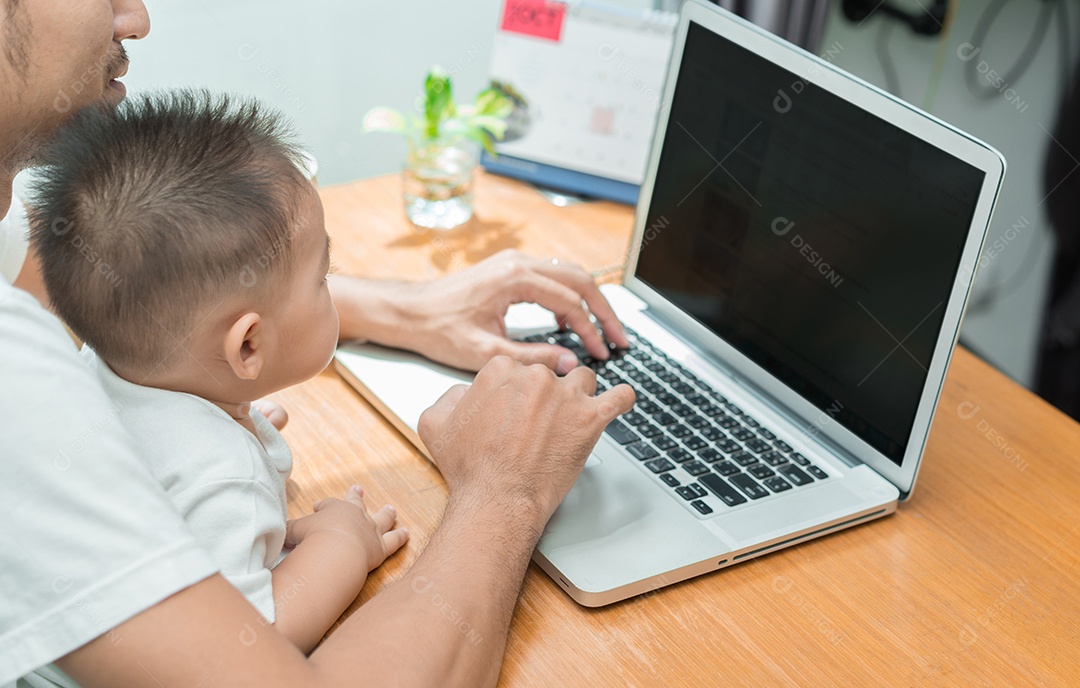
{"points": [[180, 241]]}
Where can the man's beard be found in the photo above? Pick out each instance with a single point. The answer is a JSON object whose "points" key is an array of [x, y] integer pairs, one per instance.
{"points": [[17, 32], [28, 150]]}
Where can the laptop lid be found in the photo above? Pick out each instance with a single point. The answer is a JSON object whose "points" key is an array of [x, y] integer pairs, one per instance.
{"points": [[815, 235]]}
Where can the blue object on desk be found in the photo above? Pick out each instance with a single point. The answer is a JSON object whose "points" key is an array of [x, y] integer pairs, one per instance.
{"points": [[561, 179]]}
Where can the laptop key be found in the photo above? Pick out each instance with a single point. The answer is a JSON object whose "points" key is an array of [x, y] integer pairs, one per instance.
{"points": [[721, 489], [664, 443], [726, 422], [620, 433], [679, 430], [669, 480], [728, 446], [800, 459], [695, 443], [744, 434], [795, 474], [713, 434], [633, 418], [817, 472], [758, 445], [696, 468], [690, 491], [680, 455], [665, 418], [748, 485], [659, 465], [759, 471], [715, 395], [782, 445], [682, 409], [642, 451], [648, 407], [649, 430], [773, 458], [667, 398], [653, 387], [726, 468], [682, 388], [742, 458], [696, 421], [777, 484], [710, 455], [701, 506], [766, 433]]}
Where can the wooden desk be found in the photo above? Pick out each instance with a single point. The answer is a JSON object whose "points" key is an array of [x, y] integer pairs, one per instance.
{"points": [[973, 581]]}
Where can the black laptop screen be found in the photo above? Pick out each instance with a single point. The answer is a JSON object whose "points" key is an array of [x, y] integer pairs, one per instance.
{"points": [[817, 239]]}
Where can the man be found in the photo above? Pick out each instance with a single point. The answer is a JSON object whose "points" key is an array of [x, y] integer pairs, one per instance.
{"points": [[100, 576]]}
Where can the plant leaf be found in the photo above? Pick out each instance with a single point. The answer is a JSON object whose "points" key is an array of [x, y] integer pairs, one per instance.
{"points": [[493, 103], [496, 126], [438, 100]]}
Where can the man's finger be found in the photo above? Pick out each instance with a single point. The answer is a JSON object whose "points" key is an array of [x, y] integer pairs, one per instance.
{"points": [[615, 402], [583, 283], [558, 358], [584, 378], [567, 306], [433, 419]]}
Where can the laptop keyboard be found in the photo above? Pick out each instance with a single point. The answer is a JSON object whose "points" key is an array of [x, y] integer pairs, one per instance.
{"points": [[711, 454]]}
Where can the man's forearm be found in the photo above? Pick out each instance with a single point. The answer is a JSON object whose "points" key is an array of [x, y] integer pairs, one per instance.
{"points": [[452, 609], [371, 310]]}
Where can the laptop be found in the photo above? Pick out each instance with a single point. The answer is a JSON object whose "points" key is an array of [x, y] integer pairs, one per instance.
{"points": [[804, 247]]}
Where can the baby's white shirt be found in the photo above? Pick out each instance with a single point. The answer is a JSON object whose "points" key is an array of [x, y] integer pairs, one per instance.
{"points": [[228, 485]]}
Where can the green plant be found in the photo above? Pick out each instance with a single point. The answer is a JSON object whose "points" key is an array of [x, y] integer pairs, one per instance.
{"points": [[443, 120]]}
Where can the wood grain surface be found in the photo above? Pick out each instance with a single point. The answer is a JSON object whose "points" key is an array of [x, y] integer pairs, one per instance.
{"points": [[974, 581]]}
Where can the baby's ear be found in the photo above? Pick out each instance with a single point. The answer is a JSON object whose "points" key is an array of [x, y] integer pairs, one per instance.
{"points": [[243, 346]]}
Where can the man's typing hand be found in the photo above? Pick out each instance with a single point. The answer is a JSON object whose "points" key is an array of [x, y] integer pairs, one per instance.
{"points": [[459, 319], [520, 434]]}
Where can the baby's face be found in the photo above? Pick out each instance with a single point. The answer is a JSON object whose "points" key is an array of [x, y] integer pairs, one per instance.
{"points": [[303, 323]]}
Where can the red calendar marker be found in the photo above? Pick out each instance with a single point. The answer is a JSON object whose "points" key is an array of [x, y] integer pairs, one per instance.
{"points": [[536, 18]]}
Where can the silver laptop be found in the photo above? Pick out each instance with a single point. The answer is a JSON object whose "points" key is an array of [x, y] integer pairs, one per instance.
{"points": [[804, 246]]}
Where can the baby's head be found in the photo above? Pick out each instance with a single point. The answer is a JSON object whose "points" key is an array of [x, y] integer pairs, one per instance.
{"points": [[180, 240]]}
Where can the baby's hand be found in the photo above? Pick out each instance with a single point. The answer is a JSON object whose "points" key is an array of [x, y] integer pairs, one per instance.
{"points": [[274, 412], [349, 521]]}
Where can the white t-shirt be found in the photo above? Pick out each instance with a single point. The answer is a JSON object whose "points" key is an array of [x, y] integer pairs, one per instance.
{"points": [[90, 538], [228, 485], [13, 241]]}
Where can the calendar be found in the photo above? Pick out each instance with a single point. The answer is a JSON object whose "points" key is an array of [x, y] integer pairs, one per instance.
{"points": [[591, 79]]}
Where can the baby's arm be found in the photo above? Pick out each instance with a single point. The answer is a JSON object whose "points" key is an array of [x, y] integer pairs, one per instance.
{"points": [[334, 549]]}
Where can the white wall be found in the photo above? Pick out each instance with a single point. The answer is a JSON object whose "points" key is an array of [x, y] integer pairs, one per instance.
{"points": [[325, 62]]}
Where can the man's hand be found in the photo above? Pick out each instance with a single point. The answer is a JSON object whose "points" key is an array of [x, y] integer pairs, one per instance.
{"points": [[458, 319], [520, 433]]}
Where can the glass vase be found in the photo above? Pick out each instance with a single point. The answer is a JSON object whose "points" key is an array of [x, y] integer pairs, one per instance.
{"points": [[438, 182]]}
